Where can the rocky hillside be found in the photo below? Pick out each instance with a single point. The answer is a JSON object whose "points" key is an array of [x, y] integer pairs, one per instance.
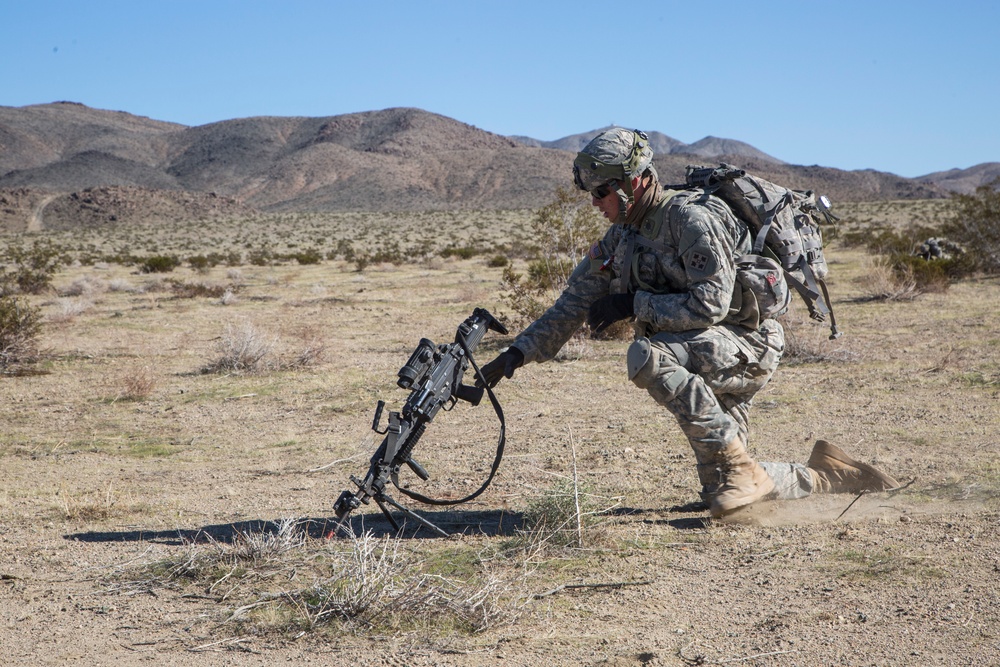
{"points": [[709, 147], [964, 181], [54, 157]]}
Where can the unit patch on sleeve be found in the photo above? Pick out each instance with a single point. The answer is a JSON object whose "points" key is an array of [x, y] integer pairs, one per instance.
{"points": [[697, 261]]}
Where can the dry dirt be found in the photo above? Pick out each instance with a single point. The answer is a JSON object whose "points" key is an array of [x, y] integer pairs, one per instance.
{"points": [[95, 485]]}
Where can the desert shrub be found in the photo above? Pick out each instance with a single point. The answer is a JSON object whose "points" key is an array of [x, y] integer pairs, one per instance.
{"points": [[311, 349], [137, 384], [122, 257], [931, 275], [20, 324], [67, 309], [904, 271], [463, 252], [243, 348], [568, 515], [976, 226], [186, 290], [82, 287], [159, 264], [550, 273], [498, 261], [344, 250], [32, 268], [564, 229], [524, 299], [199, 263], [261, 257], [308, 256]]}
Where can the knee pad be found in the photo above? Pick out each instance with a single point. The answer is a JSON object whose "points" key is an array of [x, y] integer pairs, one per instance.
{"points": [[649, 365], [640, 354]]}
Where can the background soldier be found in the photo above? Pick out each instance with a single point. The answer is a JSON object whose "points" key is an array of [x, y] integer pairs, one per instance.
{"points": [[700, 350]]}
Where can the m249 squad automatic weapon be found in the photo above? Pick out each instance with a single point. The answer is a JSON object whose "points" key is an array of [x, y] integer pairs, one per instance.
{"points": [[434, 375]]}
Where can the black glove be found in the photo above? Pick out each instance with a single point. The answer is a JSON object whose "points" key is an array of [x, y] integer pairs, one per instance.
{"points": [[503, 366], [609, 309]]}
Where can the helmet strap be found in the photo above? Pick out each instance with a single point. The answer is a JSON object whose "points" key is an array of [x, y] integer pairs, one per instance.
{"points": [[626, 196]]}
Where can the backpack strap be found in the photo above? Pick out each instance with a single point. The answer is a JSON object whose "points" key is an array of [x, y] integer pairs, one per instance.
{"points": [[758, 244], [818, 302]]}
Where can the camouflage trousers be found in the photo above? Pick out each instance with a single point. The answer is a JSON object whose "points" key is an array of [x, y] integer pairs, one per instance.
{"points": [[707, 379]]}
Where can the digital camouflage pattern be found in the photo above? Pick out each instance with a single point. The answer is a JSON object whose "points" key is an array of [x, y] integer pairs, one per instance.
{"points": [[616, 153], [698, 362]]}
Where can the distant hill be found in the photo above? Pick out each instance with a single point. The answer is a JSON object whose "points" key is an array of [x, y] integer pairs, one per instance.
{"points": [[709, 147], [964, 181], [388, 160]]}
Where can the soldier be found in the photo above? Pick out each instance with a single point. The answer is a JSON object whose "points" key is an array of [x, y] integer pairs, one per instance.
{"points": [[668, 261]]}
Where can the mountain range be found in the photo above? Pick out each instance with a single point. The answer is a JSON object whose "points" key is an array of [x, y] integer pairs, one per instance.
{"points": [[389, 160]]}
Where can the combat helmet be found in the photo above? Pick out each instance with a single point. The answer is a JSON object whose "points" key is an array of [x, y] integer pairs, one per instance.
{"points": [[613, 155]]}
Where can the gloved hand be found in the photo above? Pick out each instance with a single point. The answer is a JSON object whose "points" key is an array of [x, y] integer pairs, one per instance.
{"points": [[609, 309], [503, 366]]}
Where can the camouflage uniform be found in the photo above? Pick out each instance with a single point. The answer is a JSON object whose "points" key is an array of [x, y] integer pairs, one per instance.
{"points": [[696, 352]]}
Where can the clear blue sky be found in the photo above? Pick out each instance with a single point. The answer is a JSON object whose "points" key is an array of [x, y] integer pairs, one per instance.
{"points": [[908, 87]]}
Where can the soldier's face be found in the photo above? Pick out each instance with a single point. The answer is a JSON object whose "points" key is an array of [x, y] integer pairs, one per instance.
{"points": [[608, 205]]}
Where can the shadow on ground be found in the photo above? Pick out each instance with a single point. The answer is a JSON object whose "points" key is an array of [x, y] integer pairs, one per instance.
{"points": [[492, 523], [654, 516]]}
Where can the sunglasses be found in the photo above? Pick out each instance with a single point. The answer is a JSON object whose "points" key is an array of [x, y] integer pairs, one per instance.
{"points": [[603, 190]]}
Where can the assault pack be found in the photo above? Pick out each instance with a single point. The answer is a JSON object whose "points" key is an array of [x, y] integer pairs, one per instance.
{"points": [[785, 224]]}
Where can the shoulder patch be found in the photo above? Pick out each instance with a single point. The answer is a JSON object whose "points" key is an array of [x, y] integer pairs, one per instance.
{"points": [[698, 262], [596, 251]]}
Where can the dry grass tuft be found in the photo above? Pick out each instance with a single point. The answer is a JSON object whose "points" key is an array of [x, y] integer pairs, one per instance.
{"points": [[807, 342], [374, 587], [243, 348], [137, 384], [20, 326], [67, 310], [883, 282], [95, 506], [360, 584], [312, 349], [84, 286]]}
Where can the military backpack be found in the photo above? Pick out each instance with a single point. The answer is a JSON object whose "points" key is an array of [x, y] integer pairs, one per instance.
{"points": [[785, 225]]}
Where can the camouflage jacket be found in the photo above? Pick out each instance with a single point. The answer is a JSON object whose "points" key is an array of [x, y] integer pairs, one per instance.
{"points": [[682, 272]]}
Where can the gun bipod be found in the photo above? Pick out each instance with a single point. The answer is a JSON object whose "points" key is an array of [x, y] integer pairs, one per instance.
{"points": [[383, 498]]}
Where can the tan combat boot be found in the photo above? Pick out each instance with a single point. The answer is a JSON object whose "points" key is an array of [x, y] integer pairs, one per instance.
{"points": [[742, 481], [833, 471]]}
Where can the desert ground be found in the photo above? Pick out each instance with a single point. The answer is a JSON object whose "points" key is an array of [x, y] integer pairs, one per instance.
{"points": [[159, 508]]}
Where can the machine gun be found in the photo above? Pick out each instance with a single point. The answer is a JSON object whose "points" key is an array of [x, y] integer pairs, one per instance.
{"points": [[434, 375]]}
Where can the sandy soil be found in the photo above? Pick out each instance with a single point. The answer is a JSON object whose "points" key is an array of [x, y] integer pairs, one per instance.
{"points": [[94, 486]]}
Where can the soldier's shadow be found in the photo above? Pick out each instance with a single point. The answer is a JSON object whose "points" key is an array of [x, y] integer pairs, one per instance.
{"points": [[489, 523]]}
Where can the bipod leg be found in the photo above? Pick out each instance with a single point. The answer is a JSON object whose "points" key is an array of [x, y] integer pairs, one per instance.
{"points": [[419, 519], [342, 527], [385, 510]]}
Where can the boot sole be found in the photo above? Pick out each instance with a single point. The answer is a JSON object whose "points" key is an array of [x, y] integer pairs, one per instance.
{"points": [[834, 452]]}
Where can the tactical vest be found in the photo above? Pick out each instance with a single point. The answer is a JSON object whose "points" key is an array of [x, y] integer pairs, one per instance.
{"points": [[760, 291]]}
